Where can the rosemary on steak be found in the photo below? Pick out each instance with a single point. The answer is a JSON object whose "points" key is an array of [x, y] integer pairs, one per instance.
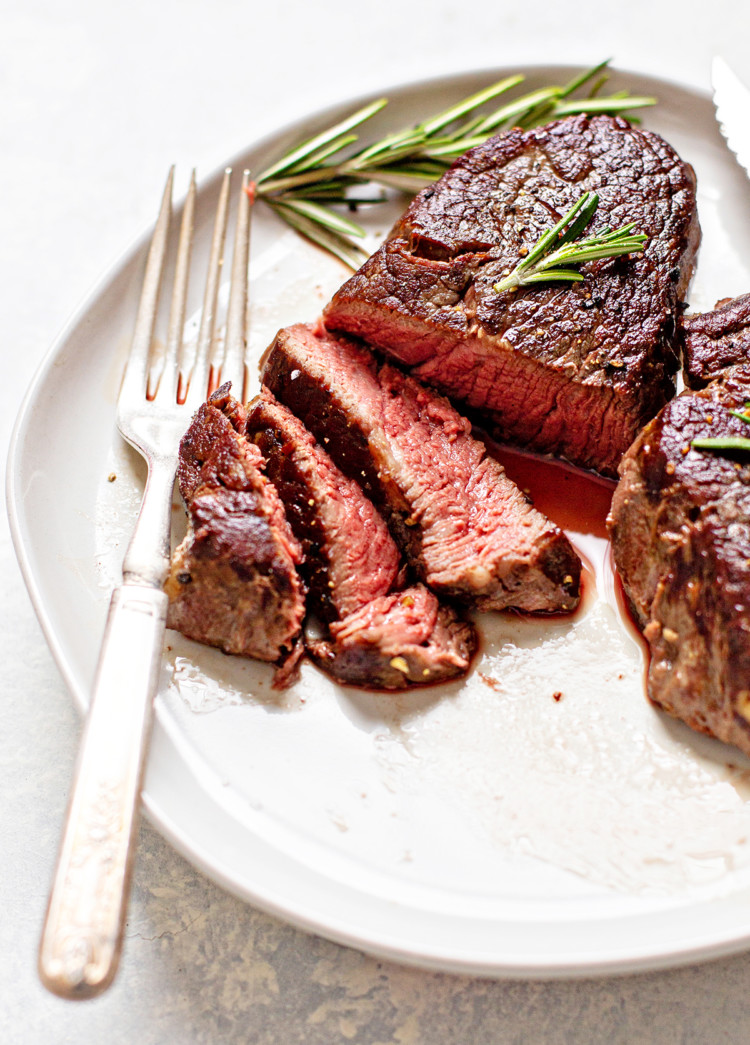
{"points": [[562, 247], [333, 168], [727, 442]]}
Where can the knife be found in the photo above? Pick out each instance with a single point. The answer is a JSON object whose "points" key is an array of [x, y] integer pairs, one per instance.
{"points": [[732, 101]]}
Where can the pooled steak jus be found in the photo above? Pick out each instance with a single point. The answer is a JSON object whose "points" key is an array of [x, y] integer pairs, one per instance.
{"points": [[233, 581], [573, 370], [680, 529], [380, 636], [467, 530]]}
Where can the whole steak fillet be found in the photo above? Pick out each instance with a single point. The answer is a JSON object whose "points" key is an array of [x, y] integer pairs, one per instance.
{"points": [[380, 637], [465, 527], [680, 529], [568, 369], [233, 581]]}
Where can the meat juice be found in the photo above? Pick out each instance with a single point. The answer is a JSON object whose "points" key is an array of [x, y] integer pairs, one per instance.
{"points": [[578, 502]]}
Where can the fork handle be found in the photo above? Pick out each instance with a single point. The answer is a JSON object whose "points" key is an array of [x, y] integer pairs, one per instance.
{"points": [[82, 936]]}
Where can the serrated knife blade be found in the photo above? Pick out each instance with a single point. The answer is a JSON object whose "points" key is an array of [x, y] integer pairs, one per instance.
{"points": [[732, 102]]}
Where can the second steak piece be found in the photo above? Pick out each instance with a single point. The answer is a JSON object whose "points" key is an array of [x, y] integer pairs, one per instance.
{"points": [[465, 526], [716, 340], [680, 528]]}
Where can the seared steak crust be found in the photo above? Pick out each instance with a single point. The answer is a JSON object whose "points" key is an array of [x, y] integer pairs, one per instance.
{"points": [[680, 528], [569, 369], [715, 340], [468, 530], [233, 582]]}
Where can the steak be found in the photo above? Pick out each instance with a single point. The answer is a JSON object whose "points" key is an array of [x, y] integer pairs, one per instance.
{"points": [[569, 369], [349, 556], [465, 527], [397, 640], [680, 529], [715, 340], [380, 637], [233, 581]]}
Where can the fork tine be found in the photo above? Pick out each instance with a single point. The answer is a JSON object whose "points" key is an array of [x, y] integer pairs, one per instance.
{"points": [[201, 375], [168, 379], [235, 342], [136, 371]]}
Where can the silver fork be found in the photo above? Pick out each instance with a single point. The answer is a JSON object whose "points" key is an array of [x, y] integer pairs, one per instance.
{"points": [[82, 936]]}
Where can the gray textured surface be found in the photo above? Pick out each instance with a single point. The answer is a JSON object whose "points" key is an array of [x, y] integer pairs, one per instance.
{"points": [[97, 100]]}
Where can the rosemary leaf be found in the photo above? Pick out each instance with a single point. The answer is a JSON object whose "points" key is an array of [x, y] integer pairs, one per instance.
{"points": [[570, 225], [407, 179], [516, 112], [450, 150], [339, 246], [560, 275], [315, 159], [308, 147], [593, 73], [386, 146], [742, 414], [325, 217], [610, 104], [722, 442], [470, 104], [401, 146], [561, 247]]}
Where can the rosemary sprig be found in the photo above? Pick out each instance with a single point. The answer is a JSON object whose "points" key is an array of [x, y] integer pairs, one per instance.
{"points": [[328, 169], [727, 442], [562, 246]]}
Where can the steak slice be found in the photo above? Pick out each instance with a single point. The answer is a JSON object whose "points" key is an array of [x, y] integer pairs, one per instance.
{"points": [[350, 557], [467, 529], [569, 369], [680, 529], [715, 340], [233, 581], [379, 637], [397, 641]]}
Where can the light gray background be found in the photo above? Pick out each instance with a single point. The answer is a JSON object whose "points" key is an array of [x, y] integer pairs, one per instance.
{"points": [[96, 101]]}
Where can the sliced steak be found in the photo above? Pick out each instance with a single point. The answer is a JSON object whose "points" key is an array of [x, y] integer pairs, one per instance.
{"points": [[715, 340], [396, 641], [468, 530], [350, 557], [233, 581], [380, 637], [569, 369], [680, 528]]}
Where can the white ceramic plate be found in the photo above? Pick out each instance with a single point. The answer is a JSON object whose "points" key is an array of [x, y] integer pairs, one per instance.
{"points": [[539, 819]]}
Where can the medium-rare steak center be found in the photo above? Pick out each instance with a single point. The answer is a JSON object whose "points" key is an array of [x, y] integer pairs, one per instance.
{"points": [[381, 636], [573, 370], [466, 529]]}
